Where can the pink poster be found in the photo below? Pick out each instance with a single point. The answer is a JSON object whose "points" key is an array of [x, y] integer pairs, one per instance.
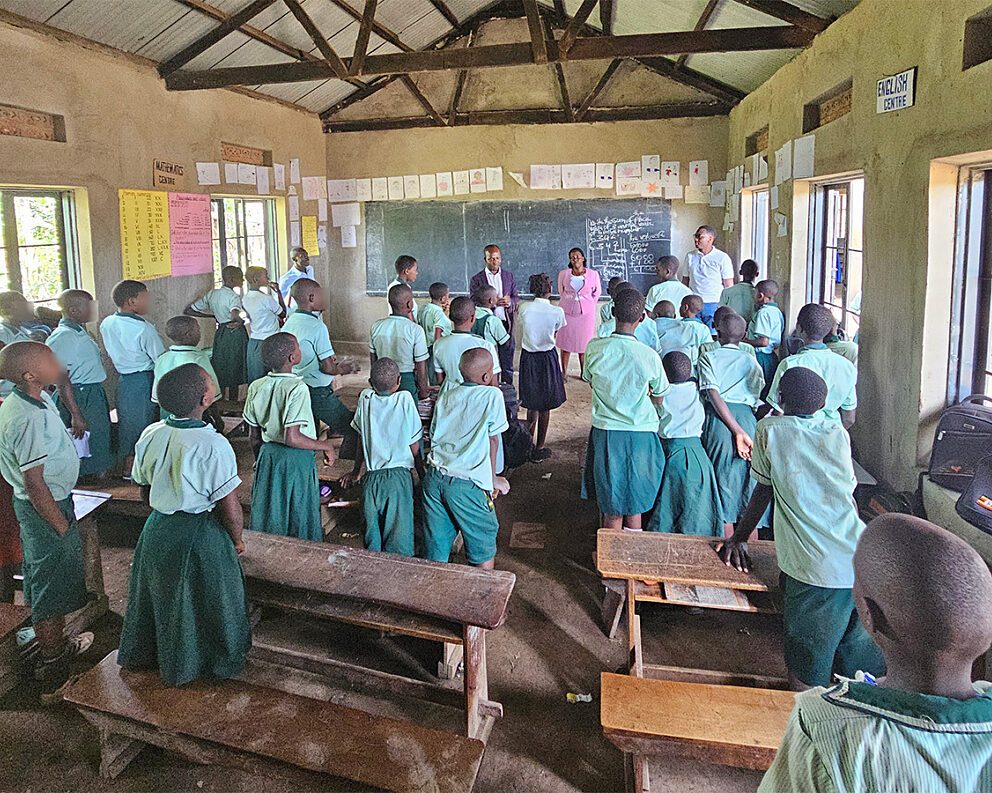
{"points": [[189, 233]]}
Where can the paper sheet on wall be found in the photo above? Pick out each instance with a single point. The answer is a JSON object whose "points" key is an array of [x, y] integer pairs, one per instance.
{"points": [[291, 190], [781, 225], [699, 172], [650, 166], [411, 186], [773, 197], [294, 207], [231, 173], [494, 179], [207, 173], [322, 237], [628, 185], [718, 194], [802, 157], [279, 175], [341, 190], [629, 170], [540, 177], [145, 248], [294, 170], [604, 175], [738, 178], [322, 210], [308, 227], [346, 215], [555, 177], [461, 182], [578, 176], [670, 171], [652, 188], [697, 194], [762, 168], [428, 185], [444, 187], [518, 177], [747, 178], [673, 192], [735, 207], [262, 180], [294, 232], [477, 180], [380, 188], [395, 188], [314, 187], [246, 173], [349, 237], [363, 189], [783, 163], [730, 181], [190, 245]]}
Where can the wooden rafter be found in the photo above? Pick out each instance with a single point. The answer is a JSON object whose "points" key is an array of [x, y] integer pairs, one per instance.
{"points": [[252, 32], [559, 75], [425, 103], [380, 30], [788, 13], [456, 95], [571, 33], [210, 38], [701, 23], [607, 16], [334, 62], [538, 42], [362, 42], [443, 10], [604, 81]]}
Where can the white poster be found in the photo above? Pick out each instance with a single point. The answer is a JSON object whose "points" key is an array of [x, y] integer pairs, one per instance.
{"points": [[628, 185], [670, 170], [629, 170], [699, 173], [540, 177], [718, 194], [294, 233], [428, 185], [697, 194], [802, 157], [578, 176], [346, 214], [279, 175], [380, 188], [650, 166], [783, 163], [444, 183], [294, 207], [461, 182], [363, 189], [349, 237], [395, 188], [604, 175], [477, 180], [246, 173], [494, 179], [411, 186], [773, 197], [294, 170], [207, 173], [262, 180], [321, 210], [673, 192], [341, 190], [322, 237], [314, 187]]}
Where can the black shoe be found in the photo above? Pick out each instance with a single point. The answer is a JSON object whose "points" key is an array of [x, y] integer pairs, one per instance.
{"points": [[539, 455]]}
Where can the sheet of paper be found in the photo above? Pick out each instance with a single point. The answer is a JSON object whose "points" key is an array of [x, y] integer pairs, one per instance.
{"points": [[308, 227], [735, 207], [726, 221], [718, 194], [781, 225], [246, 173], [294, 207], [628, 185], [395, 188], [540, 177], [231, 172], [207, 173], [652, 188], [699, 172], [461, 182], [650, 166], [85, 501], [341, 190], [715, 597], [411, 186], [189, 233], [673, 191], [346, 214], [294, 170], [730, 180], [314, 187], [738, 178], [629, 170], [279, 175], [773, 197], [494, 179], [697, 194], [762, 168], [518, 177], [444, 187], [802, 157], [477, 180], [322, 237], [349, 237], [263, 180], [380, 188], [783, 163], [747, 178], [322, 210], [555, 177], [578, 176], [294, 232], [363, 189], [428, 185], [604, 175], [670, 172], [292, 190]]}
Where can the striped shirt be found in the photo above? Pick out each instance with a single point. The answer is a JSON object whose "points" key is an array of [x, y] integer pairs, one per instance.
{"points": [[856, 737]]}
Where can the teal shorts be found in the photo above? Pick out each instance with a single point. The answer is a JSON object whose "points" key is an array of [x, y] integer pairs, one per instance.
{"points": [[824, 634], [328, 407], [453, 505], [387, 500]]}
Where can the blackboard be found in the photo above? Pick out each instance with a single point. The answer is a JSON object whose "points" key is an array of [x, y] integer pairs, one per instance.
{"points": [[620, 237]]}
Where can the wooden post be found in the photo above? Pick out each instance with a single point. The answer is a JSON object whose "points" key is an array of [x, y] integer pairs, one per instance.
{"points": [[451, 656], [635, 656], [476, 678], [116, 751], [92, 560]]}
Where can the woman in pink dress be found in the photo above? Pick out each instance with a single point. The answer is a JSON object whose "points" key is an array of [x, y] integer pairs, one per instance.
{"points": [[579, 290]]}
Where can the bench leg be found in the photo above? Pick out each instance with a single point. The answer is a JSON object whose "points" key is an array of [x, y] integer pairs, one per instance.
{"points": [[635, 654], [476, 680], [116, 751], [92, 560], [613, 602], [642, 781], [452, 655]]}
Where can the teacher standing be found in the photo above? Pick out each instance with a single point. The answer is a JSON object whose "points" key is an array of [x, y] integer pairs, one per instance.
{"points": [[507, 301], [707, 271], [579, 289]]}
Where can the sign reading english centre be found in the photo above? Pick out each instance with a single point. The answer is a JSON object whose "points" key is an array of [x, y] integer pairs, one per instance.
{"points": [[896, 92]]}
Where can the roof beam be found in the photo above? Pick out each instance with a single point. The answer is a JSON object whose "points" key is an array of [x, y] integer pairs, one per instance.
{"points": [[330, 56], [210, 38], [380, 30], [362, 42], [789, 13], [701, 23], [604, 81], [443, 10], [572, 31], [252, 32], [538, 42], [566, 102], [456, 96], [424, 101], [597, 48], [702, 82], [607, 16], [370, 88]]}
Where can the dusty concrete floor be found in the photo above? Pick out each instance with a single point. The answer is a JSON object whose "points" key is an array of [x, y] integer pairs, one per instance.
{"points": [[551, 644]]}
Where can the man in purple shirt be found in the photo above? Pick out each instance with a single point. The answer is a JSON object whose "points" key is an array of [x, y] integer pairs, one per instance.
{"points": [[506, 303]]}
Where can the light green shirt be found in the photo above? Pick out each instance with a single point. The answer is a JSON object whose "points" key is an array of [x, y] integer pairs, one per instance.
{"points": [[622, 372], [769, 322], [733, 373], [32, 434], [432, 316], [263, 313], [687, 336], [645, 332], [389, 308], [188, 465], [847, 349], [277, 401], [398, 338], [220, 302], [673, 291], [493, 330], [131, 341], [78, 352], [606, 312], [715, 345], [465, 418], [681, 414], [448, 353], [807, 463], [8, 335], [388, 425], [859, 738], [315, 346], [740, 297], [840, 375], [176, 356]]}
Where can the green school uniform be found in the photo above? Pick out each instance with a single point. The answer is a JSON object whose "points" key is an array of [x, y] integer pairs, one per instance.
{"points": [[715, 345], [645, 332], [397, 282], [857, 738], [448, 353], [285, 494], [431, 317], [460, 476], [488, 326], [769, 322], [388, 425], [186, 613], [32, 434], [606, 311], [673, 291], [844, 348], [687, 336], [177, 355], [263, 314], [230, 347], [740, 297], [8, 335], [80, 355], [404, 341], [840, 375]]}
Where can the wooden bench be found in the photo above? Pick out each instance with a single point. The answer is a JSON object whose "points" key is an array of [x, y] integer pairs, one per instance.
{"points": [[447, 603], [264, 730], [12, 619], [727, 725]]}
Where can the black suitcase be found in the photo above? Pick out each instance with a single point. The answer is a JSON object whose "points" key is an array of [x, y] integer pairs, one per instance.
{"points": [[964, 436], [975, 503]]}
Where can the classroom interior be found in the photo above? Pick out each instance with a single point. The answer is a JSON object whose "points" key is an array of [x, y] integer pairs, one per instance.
{"points": [[886, 217]]}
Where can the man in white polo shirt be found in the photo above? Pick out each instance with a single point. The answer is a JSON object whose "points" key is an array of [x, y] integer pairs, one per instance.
{"points": [[707, 270]]}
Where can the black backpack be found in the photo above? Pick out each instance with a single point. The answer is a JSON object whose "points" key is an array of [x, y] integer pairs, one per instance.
{"points": [[975, 503], [517, 442], [964, 436]]}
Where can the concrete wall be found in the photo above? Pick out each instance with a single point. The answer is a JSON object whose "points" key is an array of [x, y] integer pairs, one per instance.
{"points": [[119, 117], [909, 202], [391, 153]]}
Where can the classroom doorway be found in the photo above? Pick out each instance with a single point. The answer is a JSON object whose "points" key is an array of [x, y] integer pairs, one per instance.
{"points": [[837, 250], [754, 227], [243, 233]]}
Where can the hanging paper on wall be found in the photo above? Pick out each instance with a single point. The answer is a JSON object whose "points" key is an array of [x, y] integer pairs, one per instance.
{"points": [[322, 237], [652, 188], [518, 177], [145, 247], [380, 188], [207, 173], [428, 185], [670, 172], [650, 166], [578, 176], [322, 210], [738, 178], [604, 175], [279, 175], [697, 194], [628, 185], [346, 215], [555, 173], [190, 244], [699, 172], [673, 191], [395, 188], [231, 172], [783, 163], [477, 180], [294, 170], [246, 173], [349, 237], [461, 181], [341, 190], [363, 189], [629, 170], [294, 232], [540, 177], [444, 187], [494, 179], [294, 207], [411, 186], [762, 168], [262, 180], [747, 178], [773, 197], [781, 225], [718, 194], [802, 157], [314, 187], [308, 228]]}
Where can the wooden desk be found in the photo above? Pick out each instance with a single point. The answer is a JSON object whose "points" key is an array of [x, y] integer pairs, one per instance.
{"points": [[12, 619]]}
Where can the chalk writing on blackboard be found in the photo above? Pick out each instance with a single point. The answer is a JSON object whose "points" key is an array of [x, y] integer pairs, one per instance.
{"points": [[621, 245]]}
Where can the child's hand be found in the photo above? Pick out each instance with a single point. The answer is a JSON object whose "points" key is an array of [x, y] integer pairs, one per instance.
{"points": [[349, 480], [273, 285], [78, 426], [734, 554], [744, 445], [239, 546], [500, 486], [330, 455]]}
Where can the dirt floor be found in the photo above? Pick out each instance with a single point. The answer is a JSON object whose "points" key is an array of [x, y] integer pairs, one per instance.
{"points": [[552, 643]]}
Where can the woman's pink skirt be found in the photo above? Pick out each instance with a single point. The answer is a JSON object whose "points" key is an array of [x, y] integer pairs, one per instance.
{"points": [[576, 334]]}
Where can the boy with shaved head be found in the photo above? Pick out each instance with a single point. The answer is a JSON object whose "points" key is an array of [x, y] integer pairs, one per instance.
{"points": [[448, 350], [645, 331], [14, 312], [765, 330], [401, 338], [669, 287], [184, 331], [487, 324], [923, 595], [406, 274]]}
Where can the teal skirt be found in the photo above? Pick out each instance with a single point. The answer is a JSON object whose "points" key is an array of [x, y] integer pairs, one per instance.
{"points": [[733, 473], [408, 382], [229, 354], [387, 500], [254, 368], [431, 374], [623, 470], [285, 496], [54, 575], [135, 409], [328, 407], [688, 500], [186, 608], [92, 401], [769, 363]]}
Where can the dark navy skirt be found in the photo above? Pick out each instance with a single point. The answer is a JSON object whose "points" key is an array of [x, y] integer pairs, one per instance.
{"points": [[541, 383]]}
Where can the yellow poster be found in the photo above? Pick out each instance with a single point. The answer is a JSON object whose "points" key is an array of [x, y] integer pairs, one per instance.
{"points": [[310, 234], [145, 250]]}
